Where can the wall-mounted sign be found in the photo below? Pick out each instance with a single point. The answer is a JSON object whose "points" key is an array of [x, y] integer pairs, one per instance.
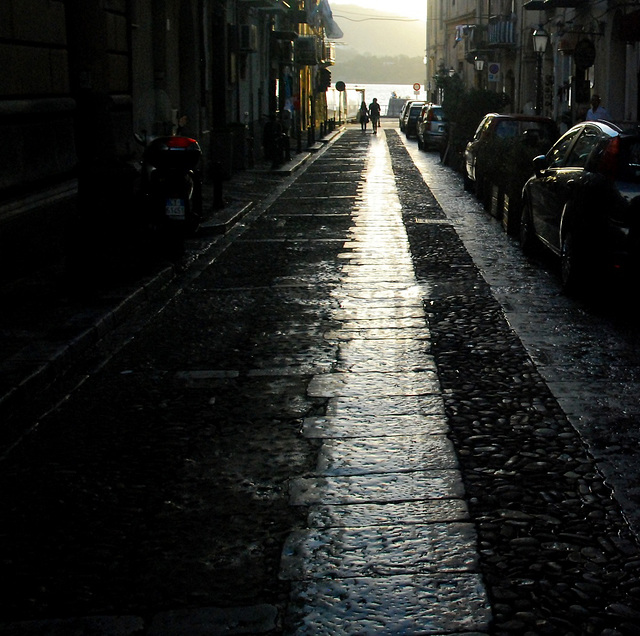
{"points": [[493, 71]]}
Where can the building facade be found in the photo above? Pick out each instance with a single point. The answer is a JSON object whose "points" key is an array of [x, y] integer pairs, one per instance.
{"points": [[79, 78], [591, 47]]}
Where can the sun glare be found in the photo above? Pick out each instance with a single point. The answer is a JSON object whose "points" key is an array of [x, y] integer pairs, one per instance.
{"points": [[415, 9]]}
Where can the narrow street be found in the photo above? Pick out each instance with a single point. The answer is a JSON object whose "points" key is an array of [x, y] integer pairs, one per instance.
{"points": [[351, 421]]}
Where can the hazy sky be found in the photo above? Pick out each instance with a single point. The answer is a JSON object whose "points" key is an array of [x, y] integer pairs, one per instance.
{"points": [[403, 8]]}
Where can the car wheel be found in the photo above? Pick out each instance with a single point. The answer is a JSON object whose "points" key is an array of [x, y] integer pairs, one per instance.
{"points": [[485, 193], [527, 232], [574, 271], [480, 188], [468, 184]]}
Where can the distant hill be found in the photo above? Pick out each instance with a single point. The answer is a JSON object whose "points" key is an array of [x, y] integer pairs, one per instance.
{"points": [[371, 69], [384, 36], [381, 51]]}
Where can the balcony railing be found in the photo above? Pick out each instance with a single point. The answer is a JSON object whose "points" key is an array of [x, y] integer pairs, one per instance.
{"points": [[501, 31]]}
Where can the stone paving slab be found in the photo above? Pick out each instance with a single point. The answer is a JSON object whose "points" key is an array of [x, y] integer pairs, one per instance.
{"points": [[365, 406], [358, 456], [373, 426], [407, 604], [391, 313], [386, 384], [373, 302], [374, 323], [380, 487], [388, 333], [379, 551], [384, 514], [359, 356]]}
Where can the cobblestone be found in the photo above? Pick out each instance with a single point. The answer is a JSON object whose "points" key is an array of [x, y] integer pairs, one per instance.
{"points": [[313, 453]]}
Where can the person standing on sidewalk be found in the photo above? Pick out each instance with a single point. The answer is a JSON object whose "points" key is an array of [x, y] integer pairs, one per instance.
{"points": [[374, 113], [597, 111]]}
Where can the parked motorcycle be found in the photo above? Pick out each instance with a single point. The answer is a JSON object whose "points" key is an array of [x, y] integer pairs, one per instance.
{"points": [[172, 188]]}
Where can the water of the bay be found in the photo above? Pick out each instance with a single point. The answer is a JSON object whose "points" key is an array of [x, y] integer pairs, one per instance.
{"points": [[355, 93]]}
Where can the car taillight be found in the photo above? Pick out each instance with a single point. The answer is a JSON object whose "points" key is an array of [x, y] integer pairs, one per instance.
{"points": [[181, 143], [609, 161]]}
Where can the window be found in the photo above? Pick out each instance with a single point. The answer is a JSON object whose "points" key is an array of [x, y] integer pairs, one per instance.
{"points": [[558, 153], [507, 129], [582, 148]]}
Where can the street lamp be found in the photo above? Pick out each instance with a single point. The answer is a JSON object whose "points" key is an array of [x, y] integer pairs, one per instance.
{"points": [[479, 66], [540, 40]]}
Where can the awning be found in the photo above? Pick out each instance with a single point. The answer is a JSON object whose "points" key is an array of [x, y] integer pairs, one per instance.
{"points": [[322, 16]]}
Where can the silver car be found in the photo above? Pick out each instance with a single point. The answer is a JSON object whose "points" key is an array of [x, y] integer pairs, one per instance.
{"points": [[431, 127]]}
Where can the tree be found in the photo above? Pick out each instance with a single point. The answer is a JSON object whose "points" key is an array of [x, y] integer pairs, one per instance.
{"points": [[464, 109]]}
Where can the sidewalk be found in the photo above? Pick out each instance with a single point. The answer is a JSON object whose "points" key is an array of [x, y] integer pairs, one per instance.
{"points": [[44, 330]]}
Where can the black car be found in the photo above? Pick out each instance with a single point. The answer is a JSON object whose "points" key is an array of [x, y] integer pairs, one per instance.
{"points": [[403, 110], [583, 203], [498, 161], [410, 118]]}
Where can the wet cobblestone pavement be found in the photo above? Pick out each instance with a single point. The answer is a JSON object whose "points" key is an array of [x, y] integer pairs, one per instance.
{"points": [[556, 552], [331, 429]]}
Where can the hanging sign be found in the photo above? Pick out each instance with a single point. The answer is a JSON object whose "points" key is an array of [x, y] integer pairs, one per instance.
{"points": [[584, 54]]}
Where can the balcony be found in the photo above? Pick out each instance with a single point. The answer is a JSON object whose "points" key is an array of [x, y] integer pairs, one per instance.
{"points": [[501, 32]]}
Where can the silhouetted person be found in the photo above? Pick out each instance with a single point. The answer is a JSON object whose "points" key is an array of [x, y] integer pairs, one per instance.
{"points": [[363, 116], [374, 113]]}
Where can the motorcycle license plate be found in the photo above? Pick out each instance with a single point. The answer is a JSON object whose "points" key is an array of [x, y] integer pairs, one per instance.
{"points": [[175, 209]]}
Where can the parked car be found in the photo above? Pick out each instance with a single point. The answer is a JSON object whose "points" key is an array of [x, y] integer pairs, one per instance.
{"points": [[498, 161], [583, 203], [431, 127], [410, 118], [403, 110]]}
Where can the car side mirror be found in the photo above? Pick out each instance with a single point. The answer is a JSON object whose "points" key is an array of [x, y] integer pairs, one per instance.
{"points": [[540, 164]]}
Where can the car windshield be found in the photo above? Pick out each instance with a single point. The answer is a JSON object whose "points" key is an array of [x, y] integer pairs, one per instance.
{"points": [[437, 114]]}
